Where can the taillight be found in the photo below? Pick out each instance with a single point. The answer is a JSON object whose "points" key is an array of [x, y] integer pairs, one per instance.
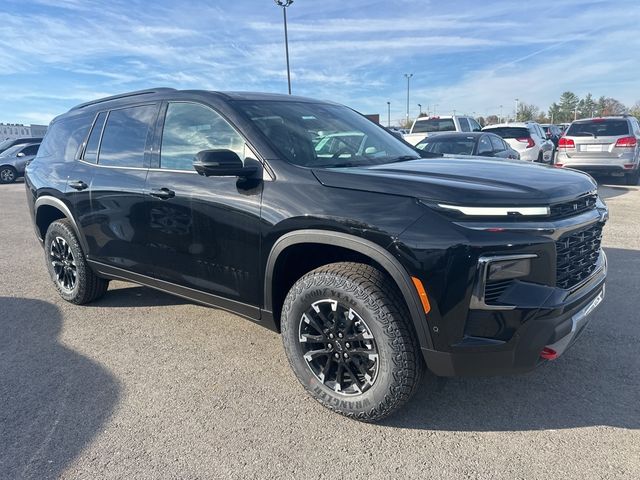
{"points": [[627, 142], [565, 142], [528, 140]]}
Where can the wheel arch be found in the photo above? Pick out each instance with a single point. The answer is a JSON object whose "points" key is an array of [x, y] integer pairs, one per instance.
{"points": [[48, 209], [379, 256]]}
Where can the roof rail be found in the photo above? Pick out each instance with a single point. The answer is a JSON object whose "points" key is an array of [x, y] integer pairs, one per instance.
{"points": [[124, 95]]}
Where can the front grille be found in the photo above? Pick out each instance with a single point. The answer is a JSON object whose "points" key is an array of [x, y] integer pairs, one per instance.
{"points": [[493, 290], [577, 254], [573, 207]]}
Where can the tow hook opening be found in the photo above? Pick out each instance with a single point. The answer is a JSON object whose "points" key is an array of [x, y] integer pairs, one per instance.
{"points": [[548, 353]]}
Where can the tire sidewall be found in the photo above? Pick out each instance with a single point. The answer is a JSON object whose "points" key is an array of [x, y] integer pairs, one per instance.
{"points": [[316, 288]]}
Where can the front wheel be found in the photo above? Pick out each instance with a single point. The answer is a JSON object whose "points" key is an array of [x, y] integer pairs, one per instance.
{"points": [[8, 174], [348, 338]]}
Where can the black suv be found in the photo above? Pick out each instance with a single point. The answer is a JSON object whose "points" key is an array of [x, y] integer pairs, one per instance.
{"points": [[372, 261]]}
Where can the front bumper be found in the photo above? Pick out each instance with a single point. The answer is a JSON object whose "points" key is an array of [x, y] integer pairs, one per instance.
{"points": [[556, 324]]}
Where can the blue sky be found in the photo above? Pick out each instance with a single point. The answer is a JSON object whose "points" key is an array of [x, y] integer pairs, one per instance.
{"points": [[470, 56]]}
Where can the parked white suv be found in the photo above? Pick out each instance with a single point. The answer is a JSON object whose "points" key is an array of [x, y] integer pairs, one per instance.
{"points": [[527, 138], [424, 126]]}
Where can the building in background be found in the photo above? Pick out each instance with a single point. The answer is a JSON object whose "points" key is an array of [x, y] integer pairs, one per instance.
{"points": [[10, 131]]}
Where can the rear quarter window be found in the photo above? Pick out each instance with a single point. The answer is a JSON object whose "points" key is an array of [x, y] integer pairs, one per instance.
{"points": [[65, 136], [599, 128]]}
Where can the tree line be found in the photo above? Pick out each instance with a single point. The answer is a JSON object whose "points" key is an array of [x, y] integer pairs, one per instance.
{"points": [[571, 107]]}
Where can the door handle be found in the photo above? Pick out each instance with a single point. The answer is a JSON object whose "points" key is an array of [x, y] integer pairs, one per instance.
{"points": [[163, 193], [78, 185]]}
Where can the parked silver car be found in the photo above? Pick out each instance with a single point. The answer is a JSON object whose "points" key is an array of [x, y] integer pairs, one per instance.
{"points": [[14, 160], [609, 145]]}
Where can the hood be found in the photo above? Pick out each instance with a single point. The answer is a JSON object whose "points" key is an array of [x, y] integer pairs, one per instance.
{"points": [[464, 181]]}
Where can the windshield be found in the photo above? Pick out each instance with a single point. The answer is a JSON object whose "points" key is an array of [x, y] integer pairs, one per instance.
{"points": [[453, 146], [11, 152], [323, 135], [434, 125], [599, 128]]}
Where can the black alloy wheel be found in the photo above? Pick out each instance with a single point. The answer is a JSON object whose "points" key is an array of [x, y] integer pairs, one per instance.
{"points": [[64, 264], [339, 348]]}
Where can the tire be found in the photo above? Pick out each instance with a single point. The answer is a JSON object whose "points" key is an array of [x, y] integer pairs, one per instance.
{"points": [[632, 178], [8, 174], [67, 265], [381, 366]]}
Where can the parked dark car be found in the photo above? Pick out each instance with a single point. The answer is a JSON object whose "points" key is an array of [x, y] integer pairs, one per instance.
{"points": [[469, 143], [6, 144], [372, 264], [14, 160]]}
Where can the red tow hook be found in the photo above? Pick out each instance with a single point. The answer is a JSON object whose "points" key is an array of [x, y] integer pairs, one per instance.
{"points": [[548, 353]]}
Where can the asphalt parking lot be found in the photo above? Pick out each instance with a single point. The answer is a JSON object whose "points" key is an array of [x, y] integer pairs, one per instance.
{"points": [[144, 385]]}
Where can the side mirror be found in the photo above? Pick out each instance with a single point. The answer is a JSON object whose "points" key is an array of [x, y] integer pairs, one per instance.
{"points": [[222, 163], [21, 154]]}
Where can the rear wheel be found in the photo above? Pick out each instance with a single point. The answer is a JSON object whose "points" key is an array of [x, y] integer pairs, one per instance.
{"points": [[632, 178], [8, 174], [347, 336], [67, 266]]}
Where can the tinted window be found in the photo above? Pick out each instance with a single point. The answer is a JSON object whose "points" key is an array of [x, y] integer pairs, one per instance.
{"points": [[498, 144], [464, 125], [190, 128], [599, 128], [125, 136], [91, 152], [434, 125], [510, 132], [484, 145], [65, 136], [451, 146], [30, 150]]}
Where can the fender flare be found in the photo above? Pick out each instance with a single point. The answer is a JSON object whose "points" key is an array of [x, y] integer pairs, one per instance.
{"points": [[380, 255], [64, 209]]}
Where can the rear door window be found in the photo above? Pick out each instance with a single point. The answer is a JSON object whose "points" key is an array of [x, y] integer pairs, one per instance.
{"points": [[434, 125], [484, 145], [125, 136], [498, 144], [464, 125], [599, 128]]}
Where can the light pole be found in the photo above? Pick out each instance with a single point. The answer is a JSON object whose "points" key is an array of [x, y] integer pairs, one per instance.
{"points": [[420, 108], [435, 106], [408, 75], [388, 114], [500, 119], [517, 104], [284, 4]]}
